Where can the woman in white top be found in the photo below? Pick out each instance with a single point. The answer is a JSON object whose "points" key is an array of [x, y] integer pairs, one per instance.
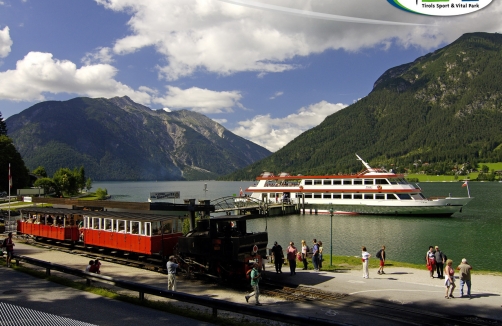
{"points": [[365, 256], [304, 255]]}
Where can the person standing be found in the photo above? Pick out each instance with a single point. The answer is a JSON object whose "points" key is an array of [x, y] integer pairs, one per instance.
{"points": [[255, 279], [365, 256], [381, 255], [320, 254], [430, 259], [315, 255], [305, 250], [440, 260], [9, 247], [449, 279], [465, 277], [278, 257], [171, 273], [291, 255]]}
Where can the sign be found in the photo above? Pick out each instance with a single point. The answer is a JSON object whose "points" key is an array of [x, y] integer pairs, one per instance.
{"points": [[165, 195], [440, 7]]}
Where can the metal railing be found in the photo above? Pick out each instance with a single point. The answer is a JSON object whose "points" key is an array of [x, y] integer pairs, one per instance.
{"points": [[143, 289]]}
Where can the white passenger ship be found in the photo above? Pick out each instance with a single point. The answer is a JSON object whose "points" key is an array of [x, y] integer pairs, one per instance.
{"points": [[373, 191]]}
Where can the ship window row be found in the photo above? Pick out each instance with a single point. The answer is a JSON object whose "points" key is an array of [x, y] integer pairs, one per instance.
{"points": [[329, 182], [132, 227], [363, 196]]}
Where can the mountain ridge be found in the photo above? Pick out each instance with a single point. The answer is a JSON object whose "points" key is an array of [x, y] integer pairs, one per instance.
{"points": [[118, 139]]}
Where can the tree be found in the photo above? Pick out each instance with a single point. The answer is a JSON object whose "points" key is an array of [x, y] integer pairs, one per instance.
{"points": [[80, 178], [65, 182], [45, 183], [19, 172], [3, 126], [88, 184], [40, 171], [101, 193]]}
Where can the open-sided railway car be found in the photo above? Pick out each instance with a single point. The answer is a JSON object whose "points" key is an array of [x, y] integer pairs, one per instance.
{"points": [[221, 246], [141, 233]]}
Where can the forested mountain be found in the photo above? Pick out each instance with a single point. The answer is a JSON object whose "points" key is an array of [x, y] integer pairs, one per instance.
{"points": [[117, 139], [443, 109]]}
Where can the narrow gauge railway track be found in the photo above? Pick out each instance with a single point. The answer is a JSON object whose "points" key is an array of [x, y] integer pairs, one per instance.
{"points": [[150, 264], [394, 311]]}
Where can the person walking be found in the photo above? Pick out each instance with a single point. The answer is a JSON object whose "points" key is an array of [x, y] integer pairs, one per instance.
{"points": [[291, 255], [449, 282], [320, 255], [305, 250], [171, 273], [315, 255], [430, 259], [255, 280], [365, 256], [440, 260], [381, 255], [8, 244], [278, 257], [465, 277]]}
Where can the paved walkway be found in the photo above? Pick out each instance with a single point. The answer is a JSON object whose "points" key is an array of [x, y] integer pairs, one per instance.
{"points": [[402, 286]]}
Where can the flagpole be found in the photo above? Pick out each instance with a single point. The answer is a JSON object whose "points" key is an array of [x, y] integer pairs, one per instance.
{"points": [[468, 192], [10, 186]]}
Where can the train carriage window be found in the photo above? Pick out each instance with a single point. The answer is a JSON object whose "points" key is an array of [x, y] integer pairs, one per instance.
{"points": [[156, 228], [326, 182], [168, 227], [368, 196], [134, 227], [147, 229], [347, 196], [379, 196], [121, 226], [108, 224], [368, 181], [337, 196], [96, 223]]}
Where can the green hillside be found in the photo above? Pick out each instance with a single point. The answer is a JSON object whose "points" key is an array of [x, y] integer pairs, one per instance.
{"points": [[441, 114]]}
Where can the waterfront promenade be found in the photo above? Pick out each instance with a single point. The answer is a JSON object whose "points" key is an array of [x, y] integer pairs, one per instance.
{"points": [[402, 287]]}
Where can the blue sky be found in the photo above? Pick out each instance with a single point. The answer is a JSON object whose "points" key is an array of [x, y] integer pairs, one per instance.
{"points": [[264, 73]]}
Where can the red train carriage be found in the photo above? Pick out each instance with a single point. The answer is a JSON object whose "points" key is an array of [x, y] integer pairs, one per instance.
{"points": [[141, 233]]}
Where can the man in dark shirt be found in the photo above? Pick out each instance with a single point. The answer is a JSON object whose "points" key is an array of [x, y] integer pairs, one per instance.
{"points": [[278, 257], [9, 247], [440, 260]]}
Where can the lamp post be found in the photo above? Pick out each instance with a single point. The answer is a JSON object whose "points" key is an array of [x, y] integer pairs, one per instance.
{"points": [[331, 245]]}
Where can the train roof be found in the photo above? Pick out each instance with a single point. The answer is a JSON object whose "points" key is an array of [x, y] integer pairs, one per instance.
{"points": [[143, 216]]}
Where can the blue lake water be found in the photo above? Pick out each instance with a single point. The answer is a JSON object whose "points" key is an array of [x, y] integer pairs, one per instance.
{"points": [[474, 234]]}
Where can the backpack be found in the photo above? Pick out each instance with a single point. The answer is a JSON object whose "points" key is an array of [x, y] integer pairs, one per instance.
{"points": [[248, 274], [379, 254]]}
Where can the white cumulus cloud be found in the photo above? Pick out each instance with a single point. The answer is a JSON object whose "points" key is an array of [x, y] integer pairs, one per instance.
{"points": [[274, 133], [201, 100], [5, 42], [225, 38], [38, 73]]}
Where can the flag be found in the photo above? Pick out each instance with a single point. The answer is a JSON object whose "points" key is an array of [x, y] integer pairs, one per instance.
{"points": [[10, 178], [465, 184]]}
